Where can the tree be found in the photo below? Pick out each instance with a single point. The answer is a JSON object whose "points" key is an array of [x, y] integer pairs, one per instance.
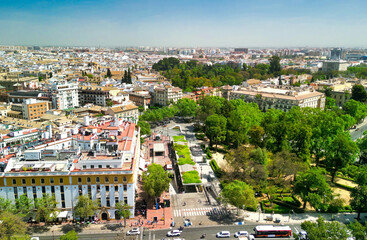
{"points": [[256, 134], [144, 127], [85, 207], [359, 193], [275, 66], [359, 231], [109, 103], [359, 93], [11, 225], [109, 74], [215, 128], [341, 152], [123, 210], [322, 230], [46, 209], [311, 184], [128, 80], [155, 180], [6, 205], [355, 109], [238, 194], [186, 107], [71, 235], [24, 205]]}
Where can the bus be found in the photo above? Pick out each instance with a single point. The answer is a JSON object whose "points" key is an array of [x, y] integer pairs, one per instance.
{"points": [[271, 231]]}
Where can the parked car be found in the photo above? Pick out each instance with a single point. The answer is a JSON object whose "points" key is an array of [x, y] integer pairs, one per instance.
{"points": [[134, 231], [174, 233], [241, 233], [223, 234]]}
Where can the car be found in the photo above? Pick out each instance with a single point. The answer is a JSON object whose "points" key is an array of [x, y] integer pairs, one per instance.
{"points": [[241, 233], [223, 234], [174, 233], [134, 231]]}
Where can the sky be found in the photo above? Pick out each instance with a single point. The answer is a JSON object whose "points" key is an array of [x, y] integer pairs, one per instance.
{"points": [[184, 23]]}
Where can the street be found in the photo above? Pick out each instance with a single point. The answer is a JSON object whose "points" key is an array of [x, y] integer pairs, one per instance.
{"points": [[195, 233]]}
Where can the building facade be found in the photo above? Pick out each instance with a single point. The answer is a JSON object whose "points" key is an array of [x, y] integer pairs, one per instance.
{"points": [[108, 174], [280, 98], [166, 95], [33, 109], [64, 95]]}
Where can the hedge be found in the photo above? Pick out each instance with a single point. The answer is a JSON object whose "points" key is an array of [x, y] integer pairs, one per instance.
{"points": [[348, 188], [217, 171]]}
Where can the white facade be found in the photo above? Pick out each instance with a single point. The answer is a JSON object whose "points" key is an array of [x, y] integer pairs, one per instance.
{"points": [[64, 95]]}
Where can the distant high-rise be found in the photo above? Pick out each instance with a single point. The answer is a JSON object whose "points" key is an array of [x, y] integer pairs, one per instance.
{"points": [[244, 50], [336, 54]]}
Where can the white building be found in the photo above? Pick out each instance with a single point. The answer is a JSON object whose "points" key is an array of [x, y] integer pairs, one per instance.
{"points": [[279, 97], [108, 175], [64, 94]]}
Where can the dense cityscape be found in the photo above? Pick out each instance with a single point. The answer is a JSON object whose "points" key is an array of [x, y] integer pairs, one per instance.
{"points": [[131, 143], [183, 120]]}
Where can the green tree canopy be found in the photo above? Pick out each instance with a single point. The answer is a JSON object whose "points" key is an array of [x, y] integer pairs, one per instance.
{"points": [[123, 210], [359, 93], [46, 209], [144, 128], [215, 128], [11, 225], [186, 107], [238, 194], [340, 153], [359, 231], [85, 207], [322, 230], [155, 180], [312, 185], [71, 235], [275, 65]]}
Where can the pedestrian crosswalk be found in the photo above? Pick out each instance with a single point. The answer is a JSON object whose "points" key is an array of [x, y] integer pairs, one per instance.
{"points": [[199, 212]]}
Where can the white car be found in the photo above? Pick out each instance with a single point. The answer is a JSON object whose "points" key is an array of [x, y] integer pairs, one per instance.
{"points": [[241, 233], [223, 234], [174, 233], [134, 231]]}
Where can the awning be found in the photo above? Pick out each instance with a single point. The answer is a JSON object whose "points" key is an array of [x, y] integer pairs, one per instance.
{"points": [[158, 147], [63, 214]]}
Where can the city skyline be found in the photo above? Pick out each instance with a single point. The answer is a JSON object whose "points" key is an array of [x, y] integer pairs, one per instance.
{"points": [[184, 23]]}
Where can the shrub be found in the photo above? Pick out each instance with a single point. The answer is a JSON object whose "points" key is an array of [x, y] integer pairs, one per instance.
{"points": [[348, 188], [336, 205], [349, 171], [216, 169]]}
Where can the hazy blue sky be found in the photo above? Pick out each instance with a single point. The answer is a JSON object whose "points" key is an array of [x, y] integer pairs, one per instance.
{"points": [[192, 23]]}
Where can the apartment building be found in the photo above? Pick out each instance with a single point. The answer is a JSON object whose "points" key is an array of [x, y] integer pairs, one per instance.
{"points": [[108, 174], [140, 98], [129, 112], [166, 95], [278, 97], [64, 94], [94, 94], [34, 109]]}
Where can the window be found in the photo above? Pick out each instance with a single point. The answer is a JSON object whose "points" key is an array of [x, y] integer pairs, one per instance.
{"points": [[14, 181], [88, 179], [84, 166], [33, 181], [23, 181], [115, 179], [79, 180], [125, 187], [125, 200], [107, 188], [99, 166], [124, 179], [107, 166], [51, 180], [61, 180], [97, 179], [42, 181], [106, 179], [91, 166], [116, 188]]}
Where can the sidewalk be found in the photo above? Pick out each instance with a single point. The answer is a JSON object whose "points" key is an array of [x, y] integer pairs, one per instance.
{"points": [[298, 218]]}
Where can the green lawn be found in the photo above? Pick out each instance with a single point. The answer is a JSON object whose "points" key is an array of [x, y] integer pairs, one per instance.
{"points": [[184, 154], [191, 177], [179, 139]]}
